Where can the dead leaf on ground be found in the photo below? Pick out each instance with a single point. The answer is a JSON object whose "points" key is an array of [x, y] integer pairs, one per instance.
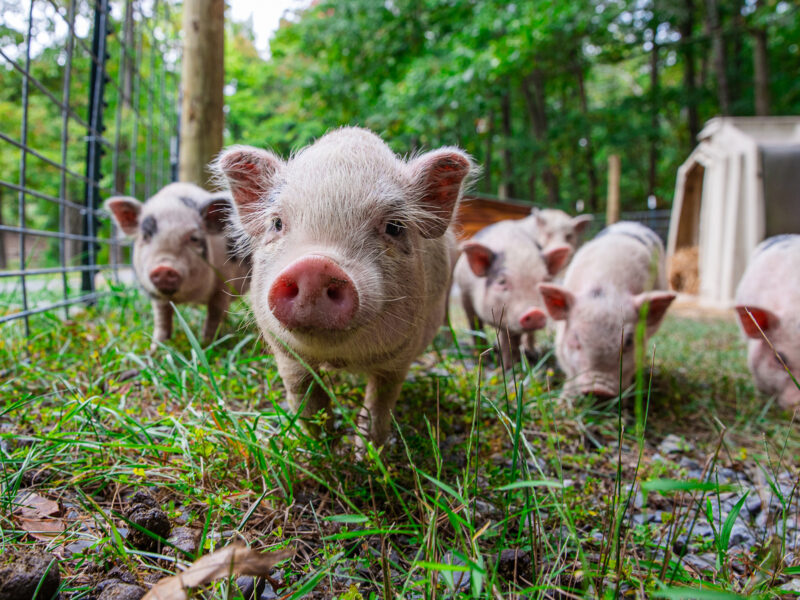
{"points": [[42, 529], [232, 559], [33, 506]]}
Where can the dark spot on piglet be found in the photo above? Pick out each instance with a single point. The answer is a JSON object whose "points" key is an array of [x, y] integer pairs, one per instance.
{"points": [[149, 227], [188, 202]]}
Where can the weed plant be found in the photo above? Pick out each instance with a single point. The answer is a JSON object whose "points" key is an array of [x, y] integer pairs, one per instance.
{"points": [[492, 486]]}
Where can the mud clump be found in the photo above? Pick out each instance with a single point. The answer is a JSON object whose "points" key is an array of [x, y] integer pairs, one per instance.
{"points": [[121, 591], [21, 572], [118, 585], [144, 511], [513, 564]]}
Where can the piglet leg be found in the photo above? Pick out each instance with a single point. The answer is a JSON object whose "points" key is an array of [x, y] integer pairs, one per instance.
{"points": [[217, 307], [375, 418], [162, 317], [302, 388]]}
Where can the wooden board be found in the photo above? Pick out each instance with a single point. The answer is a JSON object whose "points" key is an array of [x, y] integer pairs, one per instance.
{"points": [[475, 213]]}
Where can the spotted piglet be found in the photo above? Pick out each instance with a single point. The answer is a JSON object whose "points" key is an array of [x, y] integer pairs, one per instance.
{"points": [[351, 260], [768, 301], [612, 281], [181, 252]]}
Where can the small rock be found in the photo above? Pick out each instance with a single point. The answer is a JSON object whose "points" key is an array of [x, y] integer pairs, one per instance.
{"points": [[703, 530], [78, 546], [460, 578], [703, 562], [121, 591], [672, 444], [251, 587], [753, 504], [513, 563], [184, 540], [484, 510], [741, 536], [689, 464], [21, 573], [793, 585]]}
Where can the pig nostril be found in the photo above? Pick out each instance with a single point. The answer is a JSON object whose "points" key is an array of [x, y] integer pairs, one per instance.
{"points": [[291, 290], [335, 293]]}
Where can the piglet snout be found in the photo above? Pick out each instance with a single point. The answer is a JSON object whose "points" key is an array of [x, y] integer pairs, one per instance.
{"points": [[533, 319], [313, 292], [166, 279]]}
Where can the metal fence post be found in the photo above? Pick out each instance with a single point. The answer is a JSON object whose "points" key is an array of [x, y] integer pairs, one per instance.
{"points": [[94, 143]]}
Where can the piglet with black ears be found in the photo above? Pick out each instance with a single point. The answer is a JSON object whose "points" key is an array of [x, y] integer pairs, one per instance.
{"points": [[181, 252]]}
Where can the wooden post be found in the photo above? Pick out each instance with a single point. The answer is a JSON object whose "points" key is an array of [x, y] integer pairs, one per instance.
{"points": [[612, 202], [201, 85]]}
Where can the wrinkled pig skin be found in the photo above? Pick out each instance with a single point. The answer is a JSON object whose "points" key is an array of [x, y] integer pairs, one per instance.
{"points": [[768, 301], [606, 286], [498, 274], [351, 260], [181, 252]]}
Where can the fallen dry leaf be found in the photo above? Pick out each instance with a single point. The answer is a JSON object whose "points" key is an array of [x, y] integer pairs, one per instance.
{"points": [[232, 559], [33, 506], [42, 529]]}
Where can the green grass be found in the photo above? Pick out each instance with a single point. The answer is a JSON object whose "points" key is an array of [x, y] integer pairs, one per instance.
{"points": [[479, 463]]}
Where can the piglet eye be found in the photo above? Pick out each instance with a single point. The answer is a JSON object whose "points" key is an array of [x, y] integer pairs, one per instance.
{"points": [[277, 224], [194, 238], [395, 228]]}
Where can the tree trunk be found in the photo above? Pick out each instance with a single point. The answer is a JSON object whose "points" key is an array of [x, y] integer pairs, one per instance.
{"points": [[689, 77], [589, 148], [720, 60], [612, 198], [533, 91], [761, 69], [508, 135], [202, 82], [654, 133]]}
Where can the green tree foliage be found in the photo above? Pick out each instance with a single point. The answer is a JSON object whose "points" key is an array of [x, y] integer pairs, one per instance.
{"points": [[541, 92]]}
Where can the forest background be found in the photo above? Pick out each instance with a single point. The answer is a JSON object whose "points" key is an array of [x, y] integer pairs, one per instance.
{"points": [[540, 92]]}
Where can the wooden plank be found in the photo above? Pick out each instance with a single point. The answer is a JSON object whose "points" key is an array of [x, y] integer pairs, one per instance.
{"points": [[475, 213]]}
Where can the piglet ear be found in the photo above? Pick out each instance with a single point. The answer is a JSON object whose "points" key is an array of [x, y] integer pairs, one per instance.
{"points": [[754, 320], [581, 223], [658, 304], [557, 300], [251, 174], [125, 212], [437, 179], [479, 257], [555, 258], [216, 213]]}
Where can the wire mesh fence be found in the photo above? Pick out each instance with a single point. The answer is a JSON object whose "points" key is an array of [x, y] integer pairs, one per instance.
{"points": [[88, 109]]}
